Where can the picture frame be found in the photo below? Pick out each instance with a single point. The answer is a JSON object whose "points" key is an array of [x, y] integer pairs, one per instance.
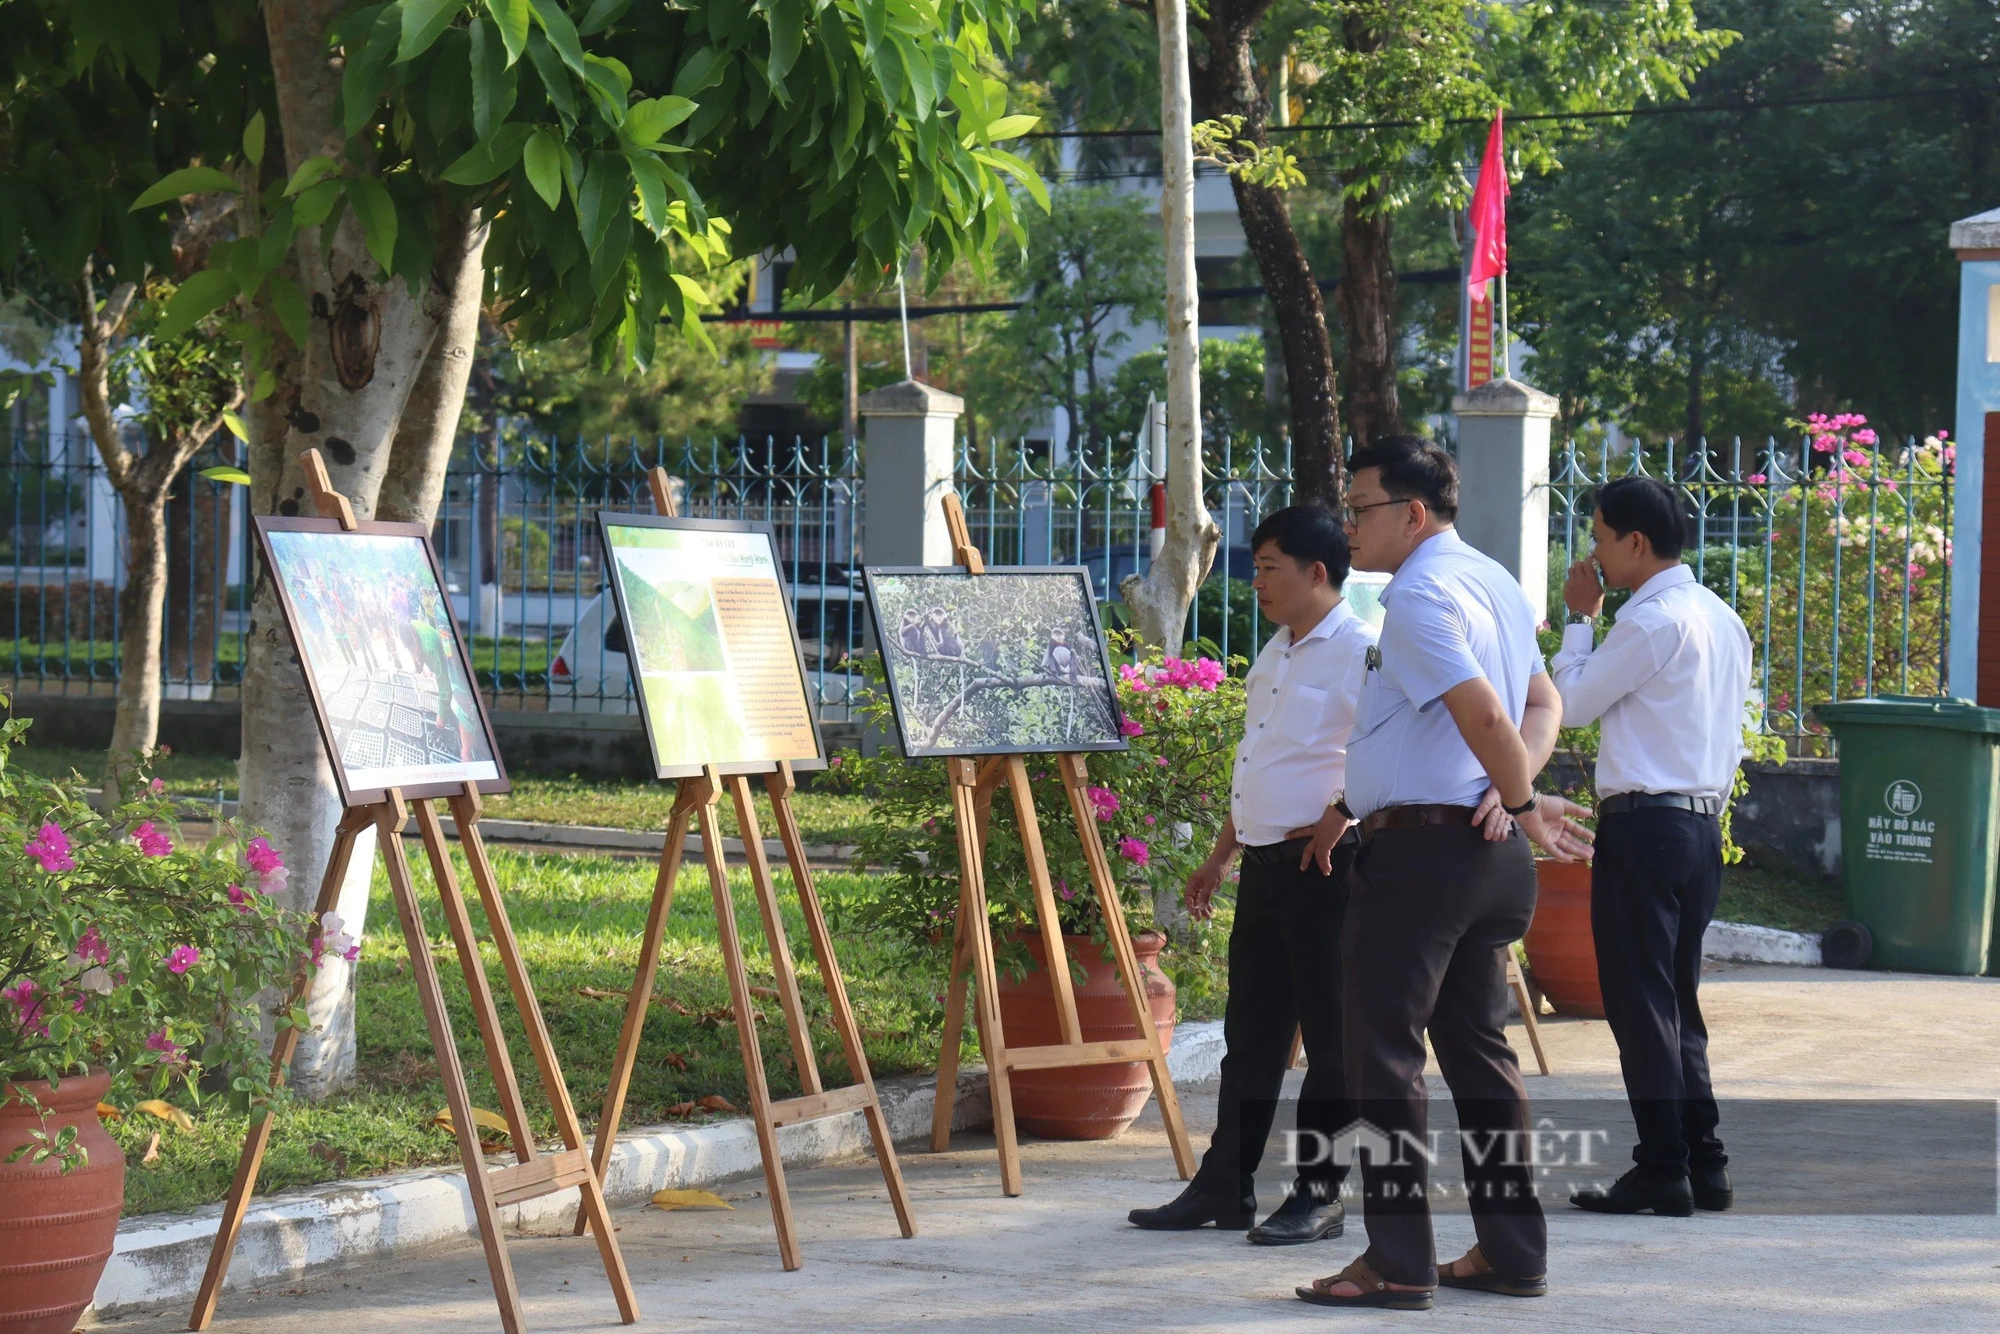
{"points": [[356, 789], [923, 737], [743, 551]]}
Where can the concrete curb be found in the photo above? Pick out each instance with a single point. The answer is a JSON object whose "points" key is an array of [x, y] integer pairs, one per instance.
{"points": [[1737, 942], [159, 1258]]}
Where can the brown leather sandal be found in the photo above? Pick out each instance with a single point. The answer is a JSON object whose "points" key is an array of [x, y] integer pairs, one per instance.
{"points": [[1483, 1279], [1375, 1290]]}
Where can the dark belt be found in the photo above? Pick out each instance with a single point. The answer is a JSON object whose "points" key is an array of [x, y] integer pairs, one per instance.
{"points": [[1415, 817], [1678, 801], [1289, 852]]}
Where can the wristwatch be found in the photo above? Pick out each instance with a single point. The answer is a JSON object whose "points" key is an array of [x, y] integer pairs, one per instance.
{"points": [[1523, 808], [1583, 618], [1339, 803]]}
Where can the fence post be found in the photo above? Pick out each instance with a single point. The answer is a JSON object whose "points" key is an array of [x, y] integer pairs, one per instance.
{"points": [[1975, 666], [910, 428], [1503, 479]]}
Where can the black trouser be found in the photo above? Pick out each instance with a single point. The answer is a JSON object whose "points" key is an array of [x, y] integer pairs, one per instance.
{"points": [[1653, 888], [1430, 914], [1284, 975]]}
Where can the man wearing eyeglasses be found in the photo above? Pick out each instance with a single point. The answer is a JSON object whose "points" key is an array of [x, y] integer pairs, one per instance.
{"points": [[1457, 716]]}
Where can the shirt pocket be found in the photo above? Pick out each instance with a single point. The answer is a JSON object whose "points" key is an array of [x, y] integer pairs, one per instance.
{"points": [[1306, 709]]}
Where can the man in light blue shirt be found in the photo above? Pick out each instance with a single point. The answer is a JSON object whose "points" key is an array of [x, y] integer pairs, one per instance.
{"points": [[1457, 716]]}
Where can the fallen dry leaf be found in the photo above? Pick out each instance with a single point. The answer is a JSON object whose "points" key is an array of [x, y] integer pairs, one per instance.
{"points": [[599, 993], [681, 1109], [715, 1102], [689, 1199], [152, 1149], [166, 1111], [331, 1156], [768, 993], [106, 1112], [676, 1060], [494, 1134]]}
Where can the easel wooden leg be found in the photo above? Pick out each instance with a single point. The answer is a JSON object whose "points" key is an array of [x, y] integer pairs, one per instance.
{"points": [[1075, 776], [954, 1031], [244, 1184], [1298, 1046], [986, 1008], [1529, 1019], [465, 812], [388, 832], [641, 994], [782, 968], [780, 785], [746, 1018]]}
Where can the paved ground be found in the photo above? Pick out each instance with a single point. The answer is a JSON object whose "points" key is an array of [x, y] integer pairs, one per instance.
{"points": [[1061, 1258]]}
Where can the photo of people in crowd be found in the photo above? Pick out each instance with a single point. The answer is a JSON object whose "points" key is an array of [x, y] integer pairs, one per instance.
{"points": [[375, 634]]}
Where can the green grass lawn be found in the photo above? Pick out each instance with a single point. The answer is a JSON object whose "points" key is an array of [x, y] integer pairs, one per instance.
{"points": [[1783, 899], [579, 920]]}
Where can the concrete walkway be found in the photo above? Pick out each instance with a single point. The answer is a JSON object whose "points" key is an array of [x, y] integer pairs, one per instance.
{"points": [[1061, 1257]]}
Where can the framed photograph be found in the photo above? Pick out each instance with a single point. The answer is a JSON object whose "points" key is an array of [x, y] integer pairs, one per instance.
{"points": [[390, 677], [713, 648], [1011, 661]]}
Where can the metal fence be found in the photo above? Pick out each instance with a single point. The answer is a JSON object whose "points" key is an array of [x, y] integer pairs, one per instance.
{"points": [[1837, 560], [1835, 553]]}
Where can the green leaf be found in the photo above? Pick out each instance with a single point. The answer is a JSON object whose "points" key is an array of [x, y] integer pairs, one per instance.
{"points": [[562, 33], [367, 73], [253, 140], [266, 385], [490, 157], [234, 476], [241, 432], [494, 80], [311, 208], [601, 15], [290, 304], [542, 156], [194, 300], [647, 121], [1000, 160], [788, 35], [652, 191], [610, 85], [511, 16], [186, 181], [424, 21], [603, 197], [376, 213], [556, 81], [1011, 127], [310, 173]]}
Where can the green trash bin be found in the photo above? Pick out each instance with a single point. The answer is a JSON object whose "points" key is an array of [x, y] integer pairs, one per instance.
{"points": [[1920, 827]]}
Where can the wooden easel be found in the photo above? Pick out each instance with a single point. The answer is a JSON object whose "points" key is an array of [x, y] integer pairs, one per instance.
{"points": [[973, 783], [534, 1174], [696, 804]]}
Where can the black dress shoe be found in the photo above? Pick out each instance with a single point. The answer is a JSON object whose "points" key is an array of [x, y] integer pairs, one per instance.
{"points": [[1301, 1218], [1711, 1187], [1195, 1208], [1666, 1194]]}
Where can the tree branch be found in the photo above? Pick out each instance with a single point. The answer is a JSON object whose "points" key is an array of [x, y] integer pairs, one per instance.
{"points": [[97, 331]]}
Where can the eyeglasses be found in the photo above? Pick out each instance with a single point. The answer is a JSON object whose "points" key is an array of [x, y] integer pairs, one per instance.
{"points": [[1351, 514]]}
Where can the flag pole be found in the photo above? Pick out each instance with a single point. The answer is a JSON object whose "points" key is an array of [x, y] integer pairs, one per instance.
{"points": [[1506, 338]]}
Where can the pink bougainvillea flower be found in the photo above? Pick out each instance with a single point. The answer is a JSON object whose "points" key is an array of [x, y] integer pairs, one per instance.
{"points": [[28, 1009], [182, 957], [1150, 819], [1064, 892], [1160, 760], [1129, 727], [1854, 458], [1134, 850], [1134, 677], [96, 979], [90, 949], [1944, 435], [239, 898], [151, 840], [1865, 437], [1757, 479], [261, 857], [50, 847], [156, 787], [170, 1051], [333, 939], [1104, 800]]}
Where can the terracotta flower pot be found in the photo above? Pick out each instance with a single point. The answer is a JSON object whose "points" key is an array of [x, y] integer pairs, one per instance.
{"points": [[1086, 1101], [1560, 947], [56, 1231]]}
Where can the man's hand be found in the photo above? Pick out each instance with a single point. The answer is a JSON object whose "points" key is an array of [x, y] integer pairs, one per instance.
{"points": [[1492, 817], [1583, 591], [1332, 825], [1202, 883], [1554, 828]]}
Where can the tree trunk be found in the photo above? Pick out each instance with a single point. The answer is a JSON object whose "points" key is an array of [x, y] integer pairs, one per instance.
{"points": [[197, 556], [287, 785], [1226, 84], [1159, 601], [414, 486], [1368, 317], [136, 727]]}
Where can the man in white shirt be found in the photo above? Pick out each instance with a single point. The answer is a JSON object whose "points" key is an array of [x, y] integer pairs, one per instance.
{"points": [[1669, 682], [1457, 717], [1284, 948]]}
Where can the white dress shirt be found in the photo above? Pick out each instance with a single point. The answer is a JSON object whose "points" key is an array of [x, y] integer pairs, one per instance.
{"points": [[1670, 682], [1298, 709], [1451, 614]]}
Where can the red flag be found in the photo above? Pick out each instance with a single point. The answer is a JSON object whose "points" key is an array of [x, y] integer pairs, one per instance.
{"points": [[1488, 215]]}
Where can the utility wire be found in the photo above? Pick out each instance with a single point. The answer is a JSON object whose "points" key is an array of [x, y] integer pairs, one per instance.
{"points": [[1677, 109]]}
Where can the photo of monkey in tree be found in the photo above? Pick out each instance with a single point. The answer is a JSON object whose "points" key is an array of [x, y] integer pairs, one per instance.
{"points": [[1004, 662]]}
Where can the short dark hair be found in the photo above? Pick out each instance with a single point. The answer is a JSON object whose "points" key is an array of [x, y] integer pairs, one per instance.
{"points": [[1644, 505], [1308, 534], [1412, 468]]}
